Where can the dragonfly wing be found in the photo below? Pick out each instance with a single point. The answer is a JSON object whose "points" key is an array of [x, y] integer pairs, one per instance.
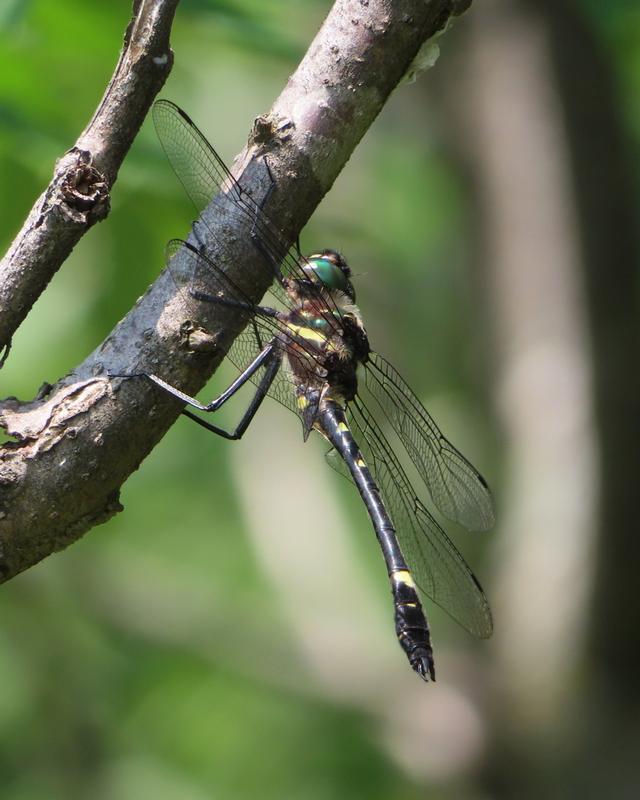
{"points": [[437, 566], [197, 165], [203, 174], [456, 487]]}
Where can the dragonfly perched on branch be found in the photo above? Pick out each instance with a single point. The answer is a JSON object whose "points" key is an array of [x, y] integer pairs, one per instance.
{"points": [[311, 353]]}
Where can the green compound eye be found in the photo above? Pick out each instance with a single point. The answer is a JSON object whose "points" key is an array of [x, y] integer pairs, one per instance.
{"points": [[331, 270], [331, 275]]}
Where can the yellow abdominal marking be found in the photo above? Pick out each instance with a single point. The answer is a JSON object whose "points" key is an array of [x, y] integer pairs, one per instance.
{"points": [[343, 426], [403, 576], [302, 402], [360, 463]]}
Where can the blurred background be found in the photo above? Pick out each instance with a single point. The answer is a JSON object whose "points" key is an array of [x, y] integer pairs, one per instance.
{"points": [[230, 635]]}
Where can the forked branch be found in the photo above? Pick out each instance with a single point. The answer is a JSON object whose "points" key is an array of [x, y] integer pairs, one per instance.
{"points": [[78, 195]]}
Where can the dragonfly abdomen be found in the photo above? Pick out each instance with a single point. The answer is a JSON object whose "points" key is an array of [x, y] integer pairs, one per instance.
{"points": [[412, 629]]}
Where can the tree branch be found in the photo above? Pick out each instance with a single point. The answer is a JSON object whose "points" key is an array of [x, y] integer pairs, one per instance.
{"points": [[77, 446], [78, 194]]}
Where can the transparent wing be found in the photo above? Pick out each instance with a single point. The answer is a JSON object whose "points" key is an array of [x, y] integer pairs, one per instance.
{"points": [[200, 170], [456, 487], [437, 566], [203, 174]]}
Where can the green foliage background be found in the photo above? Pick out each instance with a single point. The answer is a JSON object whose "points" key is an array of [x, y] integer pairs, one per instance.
{"points": [[144, 660]]}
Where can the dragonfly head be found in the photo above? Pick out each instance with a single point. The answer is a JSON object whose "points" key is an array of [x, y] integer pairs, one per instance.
{"points": [[330, 268]]}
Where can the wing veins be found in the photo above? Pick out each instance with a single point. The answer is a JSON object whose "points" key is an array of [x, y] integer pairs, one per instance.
{"points": [[419, 533], [456, 487]]}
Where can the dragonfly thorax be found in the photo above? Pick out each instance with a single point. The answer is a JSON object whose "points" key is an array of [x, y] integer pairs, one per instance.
{"points": [[325, 340]]}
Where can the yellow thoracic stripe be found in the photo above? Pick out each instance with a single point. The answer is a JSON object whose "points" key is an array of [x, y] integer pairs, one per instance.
{"points": [[307, 333], [403, 576]]}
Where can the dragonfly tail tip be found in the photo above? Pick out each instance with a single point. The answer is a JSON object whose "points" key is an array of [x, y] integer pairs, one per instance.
{"points": [[423, 664]]}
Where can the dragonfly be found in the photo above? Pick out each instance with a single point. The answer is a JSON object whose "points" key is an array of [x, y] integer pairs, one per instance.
{"points": [[310, 351]]}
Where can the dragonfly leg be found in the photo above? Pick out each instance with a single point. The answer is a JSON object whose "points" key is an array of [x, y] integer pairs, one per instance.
{"points": [[268, 357], [221, 298], [261, 392], [4, 354], [265, 355]]}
